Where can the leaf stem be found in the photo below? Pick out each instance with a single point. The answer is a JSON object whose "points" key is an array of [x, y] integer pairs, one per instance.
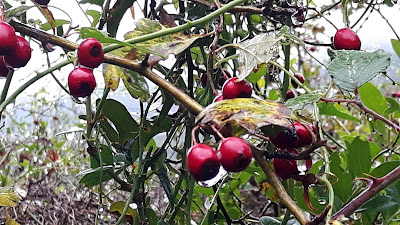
{"points": [[6, 86]]}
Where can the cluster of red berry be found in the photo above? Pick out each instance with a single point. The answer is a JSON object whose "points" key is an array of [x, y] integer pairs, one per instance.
{"points": [[289, 139], [234, 154], [81, 81], [15, 51]]}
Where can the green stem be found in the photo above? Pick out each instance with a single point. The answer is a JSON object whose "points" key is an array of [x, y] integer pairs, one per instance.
{"points": [[98, 111], [286, 76], [30, 82], [6, 86], [89, 119], [177, 29]]}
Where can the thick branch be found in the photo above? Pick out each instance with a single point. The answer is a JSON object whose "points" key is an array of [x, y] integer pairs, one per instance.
{"points": [[375, 186]]}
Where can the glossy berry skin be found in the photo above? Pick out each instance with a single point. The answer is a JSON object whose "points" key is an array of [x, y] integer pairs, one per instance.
{"points": [[287, 138], [21, 55], [289, 94], [234, 154], [203, 162], [42, 2], [3, 68], [90, 53], [81, 82], [233, 88], [286, 168], [346, 39], [305, 137], [218, 98], [299, 77], [8, 39]]}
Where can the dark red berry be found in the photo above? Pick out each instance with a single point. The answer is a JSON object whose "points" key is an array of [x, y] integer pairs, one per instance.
{"points": [[204, 80], [21, 55], [202, 162], [346, 39], [234, 154], [286, 168], [90, 53], [42, 2], [234, 88], [305, 137], [299, 77], [81, 82], [313, 49], [3, 68], [287, 138], [289, 94], [8, 39], [218, 98]]}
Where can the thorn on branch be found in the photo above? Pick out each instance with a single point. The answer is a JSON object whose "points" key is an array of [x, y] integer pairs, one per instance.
{"points": [[321, 217]]}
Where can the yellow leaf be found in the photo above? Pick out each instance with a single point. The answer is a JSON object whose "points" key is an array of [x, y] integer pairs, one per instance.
{"points": [[11, 221], [8, 198], [111, 75], [119, 207]]}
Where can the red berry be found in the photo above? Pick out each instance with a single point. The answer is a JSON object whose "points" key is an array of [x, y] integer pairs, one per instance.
{"points": [[202, 162], [81, 82], [289, 94], [8, 39], [346, 39], [305, 137], [21, 55], [233, 88], [218, 98], [42, 2], [286, 168], [90, 53], [287, 138], [313, 49], [3, 68], [234, 154], [299, 77]]}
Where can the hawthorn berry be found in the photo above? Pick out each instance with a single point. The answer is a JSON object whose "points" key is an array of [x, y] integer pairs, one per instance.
{"points": [[90, 53], [218, 98], [299, 77], [8, 39], [286, 168], [346, 39], [202, 162], [305, 137], [20, 56], [235, 88], [289, 94], [286, 138], [234, 154], [3, 68], [81, 82]]}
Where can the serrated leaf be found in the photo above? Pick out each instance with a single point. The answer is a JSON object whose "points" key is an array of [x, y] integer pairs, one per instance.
{"points": [[162, 46], [334, 109], [285, 32], [17, 11], [136, 85], [267, 220], [57, 23], [249, 113], [95, 16], [373, 98], [359, 157], [351, 69], [301, 101], [260, 49], [112, 75], [8, 197], [396, 46]]}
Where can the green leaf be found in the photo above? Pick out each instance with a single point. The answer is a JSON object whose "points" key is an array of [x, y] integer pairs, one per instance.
{"points": [[267, 220], [334, 109], [126, 126], [257, 73], [119, 207], [396, 46], [109, 131], [253, 52], [300, 102], [95, 178], [343, 185], [136, 85], [107, 157], [351, 69], [95, 15], [394, 106], [373, 98], [248, 113], [394, 191], [384, 168], [159, 168], [95, 2], [57, 23], [380, 203], [87, 32], [359, 157]]}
